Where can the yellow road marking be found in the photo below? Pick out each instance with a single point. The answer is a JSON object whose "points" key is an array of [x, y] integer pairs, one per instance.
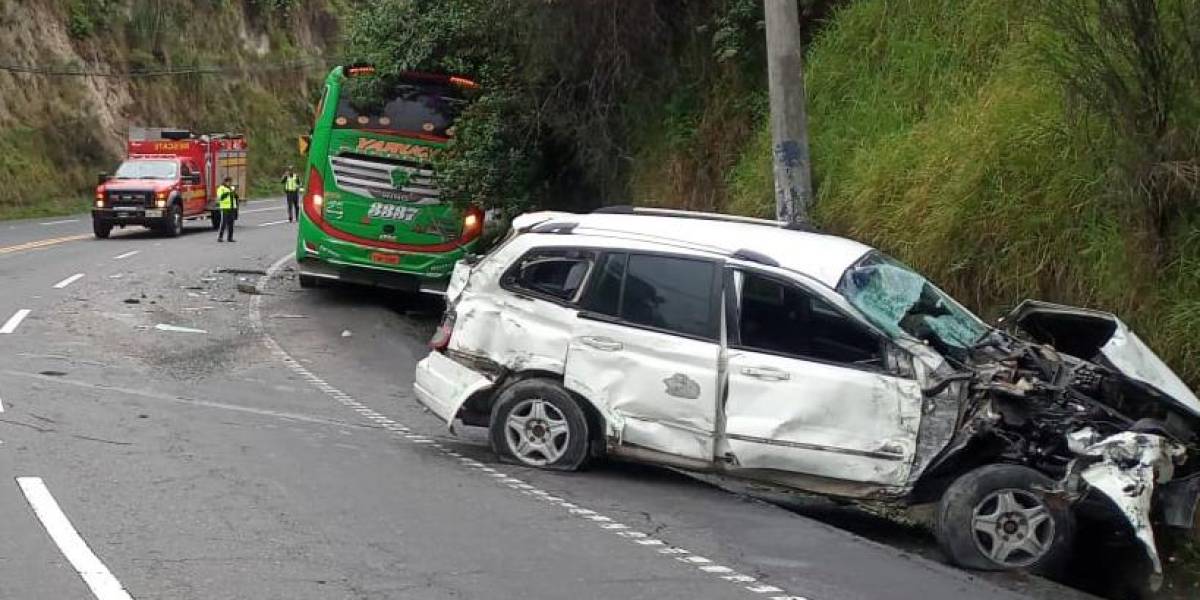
{"points": [[34, 245]]}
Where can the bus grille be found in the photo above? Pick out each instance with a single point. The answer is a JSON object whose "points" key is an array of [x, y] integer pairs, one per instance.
{"points": [[376, 177]]}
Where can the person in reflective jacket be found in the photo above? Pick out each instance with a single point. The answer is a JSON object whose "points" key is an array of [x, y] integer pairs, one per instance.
{"points": [[227, 202], [291, 188]]}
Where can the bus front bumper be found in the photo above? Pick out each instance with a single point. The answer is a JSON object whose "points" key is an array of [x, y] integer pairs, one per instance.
{"points": [[327, 270]]}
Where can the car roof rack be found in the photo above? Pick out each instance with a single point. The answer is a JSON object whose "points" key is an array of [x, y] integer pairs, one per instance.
{"points": [[625, 209]]}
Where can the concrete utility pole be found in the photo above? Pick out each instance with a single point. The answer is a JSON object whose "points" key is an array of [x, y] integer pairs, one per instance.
{"points": [[789, 116]]}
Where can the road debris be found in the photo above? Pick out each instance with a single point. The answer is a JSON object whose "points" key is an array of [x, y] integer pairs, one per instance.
{"points": [[289, 316], [132, 301], [347, 333], [249, 288], [232, 271]]}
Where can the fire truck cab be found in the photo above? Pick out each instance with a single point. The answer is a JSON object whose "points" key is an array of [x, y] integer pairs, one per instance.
{"points": [[169, 176]]}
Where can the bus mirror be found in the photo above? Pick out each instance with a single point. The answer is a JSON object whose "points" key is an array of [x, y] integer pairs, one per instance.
{"points": [[304, 142]]}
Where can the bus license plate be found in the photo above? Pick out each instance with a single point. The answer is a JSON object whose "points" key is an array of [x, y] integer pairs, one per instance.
{"points": [[384, 258]]}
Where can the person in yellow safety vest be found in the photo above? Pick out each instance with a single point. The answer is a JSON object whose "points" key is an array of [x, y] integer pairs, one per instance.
{"points": [[227, 201], [291, 188]]}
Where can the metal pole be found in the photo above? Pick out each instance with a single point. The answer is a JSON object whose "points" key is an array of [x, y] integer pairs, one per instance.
{"points": [[789, 119]]}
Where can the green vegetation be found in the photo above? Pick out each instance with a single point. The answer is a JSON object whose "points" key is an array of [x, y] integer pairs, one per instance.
{"points": [[51, 151]]}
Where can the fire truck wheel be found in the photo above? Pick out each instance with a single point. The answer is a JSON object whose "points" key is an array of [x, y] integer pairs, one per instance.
{"points": [[101, 229], [175, 224]]}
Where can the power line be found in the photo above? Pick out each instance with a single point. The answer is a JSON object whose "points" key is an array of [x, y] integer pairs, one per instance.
{"points": [[59, 71]]}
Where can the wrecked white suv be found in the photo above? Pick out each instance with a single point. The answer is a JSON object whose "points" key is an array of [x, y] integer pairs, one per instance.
{"points": [[814, 362]]}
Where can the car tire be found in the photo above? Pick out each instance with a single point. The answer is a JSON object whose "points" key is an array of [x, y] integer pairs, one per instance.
{"points": [[988, 517], [102, 230], [537, 423], [175, 222]]}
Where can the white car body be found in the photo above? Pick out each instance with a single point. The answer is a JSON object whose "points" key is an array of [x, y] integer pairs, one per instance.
{"points": [[703, 400]]}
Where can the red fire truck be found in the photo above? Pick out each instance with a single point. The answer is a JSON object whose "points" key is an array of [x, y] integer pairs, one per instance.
{"points": [[169, 176]]}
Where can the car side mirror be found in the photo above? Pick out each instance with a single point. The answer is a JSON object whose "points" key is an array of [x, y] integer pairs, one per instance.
{"points": [[102, 178], [303, 143]]}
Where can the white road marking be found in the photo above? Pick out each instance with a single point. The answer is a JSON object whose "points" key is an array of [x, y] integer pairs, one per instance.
{"points": [[699, 563], [270, 223], [68, 281], [14, 321], [61, 222], [97, 576], [126, 255], [258, 210], [1, 406]]}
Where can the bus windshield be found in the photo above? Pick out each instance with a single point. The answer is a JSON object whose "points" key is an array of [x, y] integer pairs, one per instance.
{"points": [[147, 169], [411, 106]]}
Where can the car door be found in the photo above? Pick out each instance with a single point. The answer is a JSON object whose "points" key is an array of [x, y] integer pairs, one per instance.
{"points": [[808, 392], [645, 350]]}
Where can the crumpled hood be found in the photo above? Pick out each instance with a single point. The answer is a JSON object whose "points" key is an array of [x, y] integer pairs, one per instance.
{"points": [[1101, 338]]}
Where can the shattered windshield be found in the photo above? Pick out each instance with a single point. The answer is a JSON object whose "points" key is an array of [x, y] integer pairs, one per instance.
{"points": [[896, 298], [147, 169]]}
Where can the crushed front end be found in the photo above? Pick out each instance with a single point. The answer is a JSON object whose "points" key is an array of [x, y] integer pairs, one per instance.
{"points": [[1112, 439]]}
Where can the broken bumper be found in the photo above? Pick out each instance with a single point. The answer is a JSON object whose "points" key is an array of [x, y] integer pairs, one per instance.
{"points": [[443, 385], [1126, 468]]}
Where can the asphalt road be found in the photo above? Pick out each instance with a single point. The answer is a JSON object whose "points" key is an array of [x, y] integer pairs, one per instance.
{"points": [[272, 449]]}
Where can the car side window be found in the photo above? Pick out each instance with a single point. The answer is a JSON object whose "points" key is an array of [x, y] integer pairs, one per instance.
{"points": [[664, 292], [782, 318], [558, 273]]}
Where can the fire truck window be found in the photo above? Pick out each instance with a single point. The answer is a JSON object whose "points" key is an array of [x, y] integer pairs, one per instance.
{"points": [[147, 169]]}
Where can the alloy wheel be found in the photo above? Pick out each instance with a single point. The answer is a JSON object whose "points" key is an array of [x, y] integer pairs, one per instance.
{"points": [[537, 432], [1013, 527]]}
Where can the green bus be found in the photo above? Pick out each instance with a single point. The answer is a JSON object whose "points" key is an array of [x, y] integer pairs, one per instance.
{"points": [[372, 213]]}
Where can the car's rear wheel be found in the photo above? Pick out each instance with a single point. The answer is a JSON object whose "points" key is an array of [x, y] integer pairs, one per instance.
{"points": [[1001, 517], [538, 424]]}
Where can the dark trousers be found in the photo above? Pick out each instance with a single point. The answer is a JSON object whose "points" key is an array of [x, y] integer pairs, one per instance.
{"points": [[227, 218], [293, 204]]}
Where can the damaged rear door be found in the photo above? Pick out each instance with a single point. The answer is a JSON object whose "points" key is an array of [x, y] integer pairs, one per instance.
{"points": [[807, 389], [645, 350]]}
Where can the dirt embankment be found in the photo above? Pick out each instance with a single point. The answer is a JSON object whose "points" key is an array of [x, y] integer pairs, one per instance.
{"points": [[59, 128]]}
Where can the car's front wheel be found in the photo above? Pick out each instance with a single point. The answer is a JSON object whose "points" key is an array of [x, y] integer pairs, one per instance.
{"points": [[539, 424], [1001, 517]]}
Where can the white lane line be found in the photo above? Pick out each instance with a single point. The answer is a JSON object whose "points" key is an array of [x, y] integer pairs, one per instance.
{"points": [[1, 405], [700, 564], [68, 281], [97, 576], [14, 321], [258, 210], [61, 222], [126, 255], [270, 223]]}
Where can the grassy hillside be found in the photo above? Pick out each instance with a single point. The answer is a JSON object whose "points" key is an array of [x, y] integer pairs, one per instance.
{"points": [[961, 136], [942, 132], [57, 131]]}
